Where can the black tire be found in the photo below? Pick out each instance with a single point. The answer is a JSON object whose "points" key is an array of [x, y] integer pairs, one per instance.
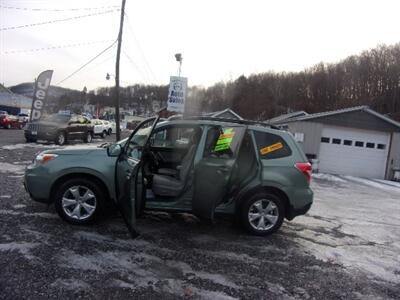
{"points": [[91, 185], [264, 199], [109, 131], [61, 138], [8, 126], [88, 137], [103, 134], [30, 140]]}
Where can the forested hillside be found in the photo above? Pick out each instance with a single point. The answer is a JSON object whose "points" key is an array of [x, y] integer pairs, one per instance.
{"points": [[371, 78]]}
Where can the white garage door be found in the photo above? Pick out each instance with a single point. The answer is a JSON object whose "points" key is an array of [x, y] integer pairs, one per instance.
{"points": [[354, 152]]}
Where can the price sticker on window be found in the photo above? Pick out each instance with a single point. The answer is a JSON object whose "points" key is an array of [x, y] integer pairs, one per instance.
{"points": [[271, 148], [224, 140]]}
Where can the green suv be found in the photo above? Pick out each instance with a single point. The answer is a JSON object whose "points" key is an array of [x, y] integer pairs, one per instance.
{"points": [[205, 166]]}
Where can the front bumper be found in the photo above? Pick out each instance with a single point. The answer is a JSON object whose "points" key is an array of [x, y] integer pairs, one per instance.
{"points": [[38, 184], [40, 135]]}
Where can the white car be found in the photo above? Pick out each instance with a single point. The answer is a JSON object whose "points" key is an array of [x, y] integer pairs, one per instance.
{"points": [[23, 118], [110, 126], [99, 128]]}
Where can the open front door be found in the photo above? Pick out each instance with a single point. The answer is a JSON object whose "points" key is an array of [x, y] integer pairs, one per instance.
{"points": [[128, 170], [213, 172]]}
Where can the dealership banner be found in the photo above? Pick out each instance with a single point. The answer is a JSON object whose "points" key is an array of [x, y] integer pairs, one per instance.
{"points": [[42, 85], [177, 94]]}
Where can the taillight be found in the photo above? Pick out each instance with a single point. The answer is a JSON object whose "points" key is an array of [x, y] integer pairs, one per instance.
{"points": [[305, 168]]}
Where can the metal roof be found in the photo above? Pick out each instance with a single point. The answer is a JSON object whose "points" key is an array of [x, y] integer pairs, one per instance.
{"points": [[287, 116], [226, 110], [364, 108]]}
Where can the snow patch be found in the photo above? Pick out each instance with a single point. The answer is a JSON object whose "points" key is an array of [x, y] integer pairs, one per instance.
{"points": [[328, 177], [25, 214], [22, 247], [356, 225], [18, 206], [30, 145], [10, 168], [373, 184], [71, 285]]}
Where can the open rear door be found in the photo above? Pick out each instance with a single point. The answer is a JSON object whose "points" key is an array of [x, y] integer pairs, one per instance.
{"points": [[213, 172], [128, 170]]}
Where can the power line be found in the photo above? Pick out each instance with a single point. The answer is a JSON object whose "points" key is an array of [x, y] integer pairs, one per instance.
{"points": [[54, 47], [56, 9], [85, 64], [141, 50], [135, 66], [58, 20]]}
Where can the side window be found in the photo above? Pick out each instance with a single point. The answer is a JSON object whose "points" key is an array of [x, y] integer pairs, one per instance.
{"points": [[136, 143], [271, 146], [171, 137], [222, 142]]}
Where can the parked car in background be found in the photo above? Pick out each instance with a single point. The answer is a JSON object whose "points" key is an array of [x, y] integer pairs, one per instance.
{"points": [[23, 118], [99, 128], [110, 126], [60, 128], [9, 121], [205, 166]]}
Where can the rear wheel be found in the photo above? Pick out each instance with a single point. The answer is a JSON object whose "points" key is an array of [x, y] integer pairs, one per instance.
{"points": [[79, 201], [262, 214], [103, 134], [61, 138]]}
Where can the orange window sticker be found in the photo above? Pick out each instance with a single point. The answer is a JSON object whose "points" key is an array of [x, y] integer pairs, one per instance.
{"points": [[271, 148]]}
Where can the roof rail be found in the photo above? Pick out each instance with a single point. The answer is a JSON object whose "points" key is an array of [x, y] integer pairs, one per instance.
{"points": [[237, 121]]}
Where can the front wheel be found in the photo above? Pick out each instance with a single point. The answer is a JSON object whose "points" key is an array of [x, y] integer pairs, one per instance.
{"points": [[109, 131], [88, 137], [61, 138], [262, 214], [79, 201], [103, 134]]}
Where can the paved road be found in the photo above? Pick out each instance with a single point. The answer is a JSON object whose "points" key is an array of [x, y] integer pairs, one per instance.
{"points": [[176, 256]]}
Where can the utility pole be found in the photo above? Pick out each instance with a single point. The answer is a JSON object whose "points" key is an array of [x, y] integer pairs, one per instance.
{"points": [[121, 26]]}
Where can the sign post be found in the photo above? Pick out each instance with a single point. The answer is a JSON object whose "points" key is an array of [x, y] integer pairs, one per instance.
{"points": [[177, 94], [42, 85]]}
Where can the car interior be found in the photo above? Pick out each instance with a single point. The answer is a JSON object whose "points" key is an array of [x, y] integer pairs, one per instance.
{"points": [[171, 156], [169, 164]]}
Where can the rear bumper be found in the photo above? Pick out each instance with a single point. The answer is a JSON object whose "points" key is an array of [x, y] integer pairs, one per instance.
{"points": [[303, 200]]}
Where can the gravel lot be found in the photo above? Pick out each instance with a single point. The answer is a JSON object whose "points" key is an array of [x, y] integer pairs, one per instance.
{"points": [[346, 247]]}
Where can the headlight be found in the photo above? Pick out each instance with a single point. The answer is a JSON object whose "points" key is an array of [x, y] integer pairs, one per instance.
{"points": [[42, 158]]}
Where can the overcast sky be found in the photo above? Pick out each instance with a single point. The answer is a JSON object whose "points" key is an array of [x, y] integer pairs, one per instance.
{"points": [[219, 39]]}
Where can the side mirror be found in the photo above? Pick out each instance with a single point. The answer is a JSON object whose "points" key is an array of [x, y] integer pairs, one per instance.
{"points": [[114, 150]]}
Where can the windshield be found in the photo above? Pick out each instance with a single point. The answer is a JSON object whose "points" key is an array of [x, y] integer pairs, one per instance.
{"points": [[57, 118]]}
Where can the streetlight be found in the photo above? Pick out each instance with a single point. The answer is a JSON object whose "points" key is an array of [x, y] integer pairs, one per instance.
{"points": [[178, 57], [108, 76]]}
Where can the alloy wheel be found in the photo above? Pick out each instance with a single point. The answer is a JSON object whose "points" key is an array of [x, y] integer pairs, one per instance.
{"points": [[79, 202], [263, 214], [61, 139]]}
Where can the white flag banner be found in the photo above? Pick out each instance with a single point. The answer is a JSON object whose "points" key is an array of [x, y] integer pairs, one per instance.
{"points": [[177, 94]]}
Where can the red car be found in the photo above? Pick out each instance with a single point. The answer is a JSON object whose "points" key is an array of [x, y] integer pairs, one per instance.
{"points": [[9, 121]]}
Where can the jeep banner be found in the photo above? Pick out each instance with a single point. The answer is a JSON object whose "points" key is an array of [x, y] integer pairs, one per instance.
{"points": [[40, 94], [177, 94]]}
